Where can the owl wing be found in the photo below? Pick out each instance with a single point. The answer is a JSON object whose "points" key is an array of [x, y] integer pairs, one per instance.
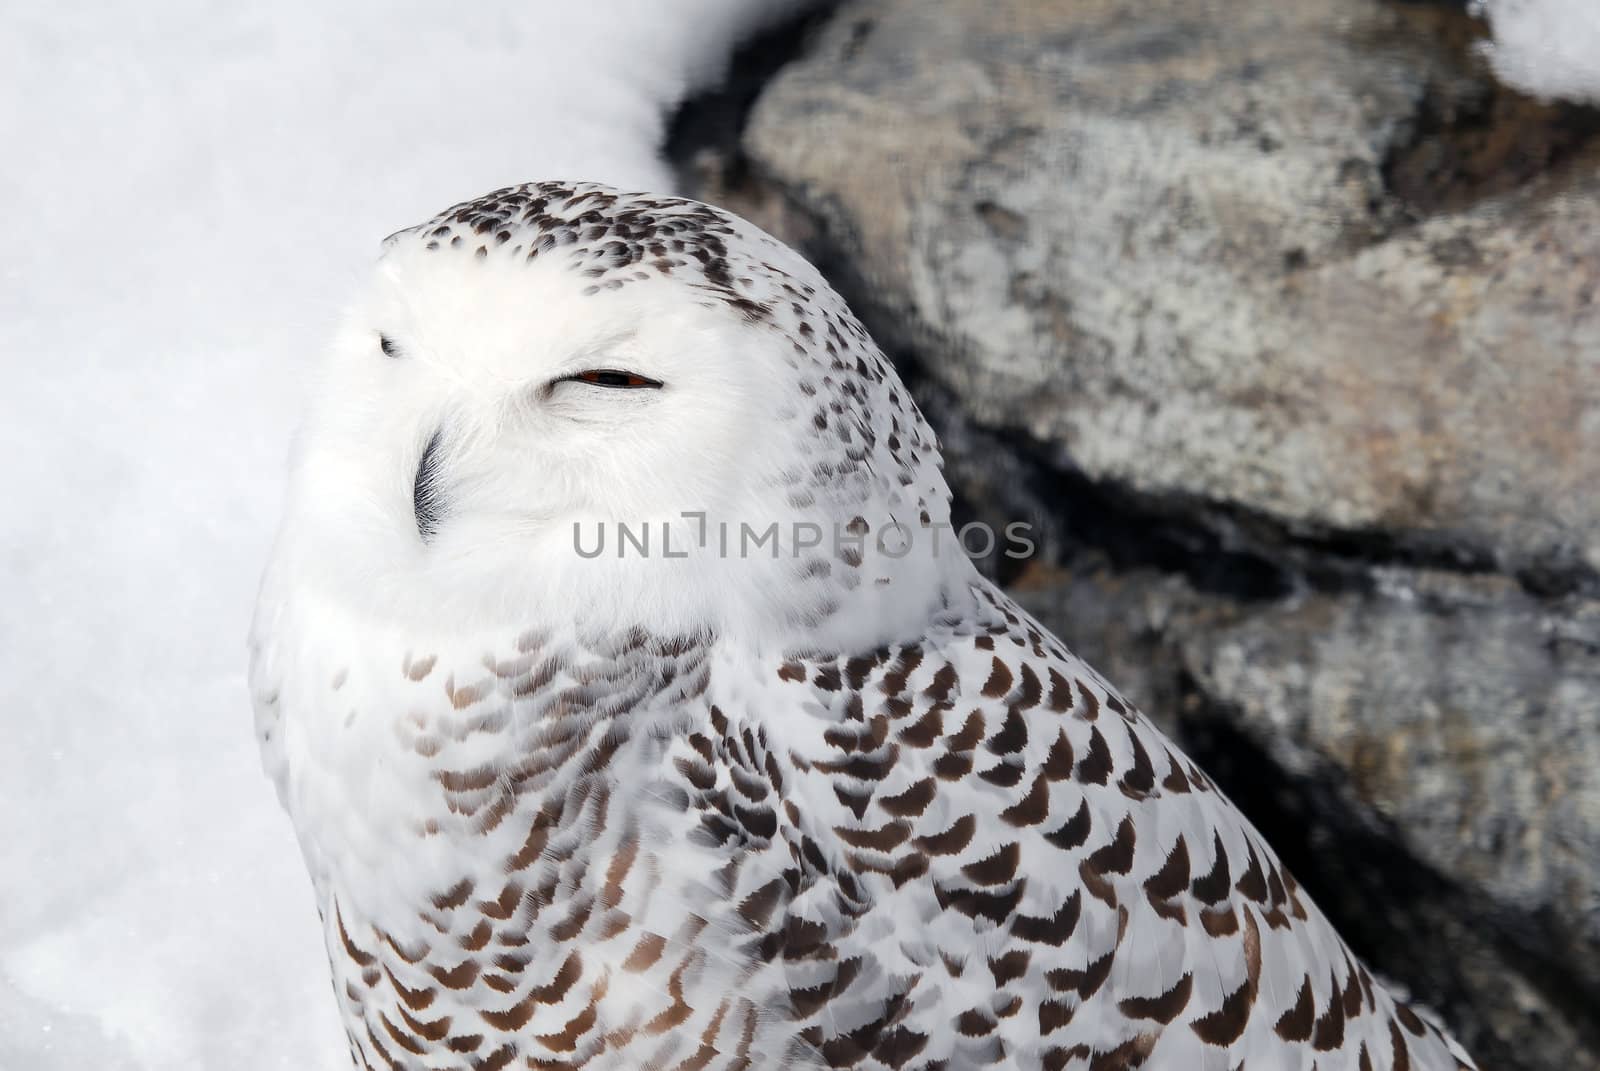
{"points": [[1009, 866]]}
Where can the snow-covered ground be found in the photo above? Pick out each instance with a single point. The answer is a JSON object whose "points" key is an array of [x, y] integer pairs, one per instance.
{"points": [[190, 190]]}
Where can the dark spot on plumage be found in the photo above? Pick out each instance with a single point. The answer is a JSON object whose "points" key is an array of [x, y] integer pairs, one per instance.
{"points": [[857, 670], [1173, 877], [1213, 887], [1095, 767], [1085, 982], [1033, 808], [845, 737], [1013, 734], [1140, 778], [1351, 994], [863, 767], [1053, 1015], [943, 681], [1328, 1033], [803, 937], [1252, 883], [1400, 1052], [925, 730], [974, 1024], [1276, 895], [970, 734], [1054, 930], [715, 830], [885, 838], [951, 840], [908, 867], [996, 907], [703, 746], [1220, 923], [803, 1003], [1003, 774], [997, 868], [1295, 1024], [911, 802], [1091, 705], [1175, 781], [1225, 1025], [811, 854], [1074, 832], [856, 800], [759, 823], [758, 907], [1162, 1008], [1117, 856], [1030, 691], [1060, 692], [1058, 763]]}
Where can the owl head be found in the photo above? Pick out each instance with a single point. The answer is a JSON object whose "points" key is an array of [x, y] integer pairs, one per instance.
{"points": [[560, 401]]}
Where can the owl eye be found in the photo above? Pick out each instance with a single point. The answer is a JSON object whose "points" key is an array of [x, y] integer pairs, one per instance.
{"points": [[387, 345], [611, 377]]}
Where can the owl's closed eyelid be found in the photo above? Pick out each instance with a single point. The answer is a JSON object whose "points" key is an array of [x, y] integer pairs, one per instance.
{"points": [[610, 379]]}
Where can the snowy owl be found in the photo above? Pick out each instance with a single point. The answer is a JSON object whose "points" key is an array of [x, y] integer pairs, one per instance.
{"points": [[632, 714]]}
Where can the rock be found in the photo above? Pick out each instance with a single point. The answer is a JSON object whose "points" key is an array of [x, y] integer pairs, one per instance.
{"points": [[1188, 249], [1425, 756]]}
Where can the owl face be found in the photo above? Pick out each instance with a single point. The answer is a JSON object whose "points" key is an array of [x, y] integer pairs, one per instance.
{"points": [[479, 424], [490, 423], [525, 403]]}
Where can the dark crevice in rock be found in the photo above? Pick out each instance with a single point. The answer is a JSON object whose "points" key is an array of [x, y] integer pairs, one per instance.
{"points": [[1484, 148], [706, 128], [1455, 24], [1075, 514], [1390, 907], [1465, 148], [1219, 548]]}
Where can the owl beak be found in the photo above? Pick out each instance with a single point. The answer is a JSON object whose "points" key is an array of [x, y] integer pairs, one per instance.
{"points": [[427, 499]]}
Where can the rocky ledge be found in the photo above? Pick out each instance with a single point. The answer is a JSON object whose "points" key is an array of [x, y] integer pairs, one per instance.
{"points": [[1281, 323]]}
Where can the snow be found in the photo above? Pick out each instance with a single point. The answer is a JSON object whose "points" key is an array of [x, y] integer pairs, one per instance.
{"points": [[1549, 48], [192, 188]]}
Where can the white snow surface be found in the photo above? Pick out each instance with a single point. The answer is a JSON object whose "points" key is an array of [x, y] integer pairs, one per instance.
{"points": [[1549, 48], [191, 190]]}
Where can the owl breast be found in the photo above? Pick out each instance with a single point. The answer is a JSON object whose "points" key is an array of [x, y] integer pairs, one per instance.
{"points": [[514, 853]]}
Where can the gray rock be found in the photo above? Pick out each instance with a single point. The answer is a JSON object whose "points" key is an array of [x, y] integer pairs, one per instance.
{"points": [[1426, 757], [1160, 237]]}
